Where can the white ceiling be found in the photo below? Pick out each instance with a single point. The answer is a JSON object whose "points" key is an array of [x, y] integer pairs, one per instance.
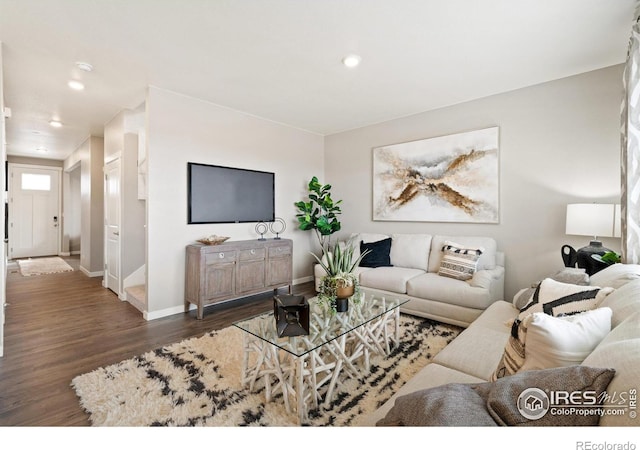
{"points": [[280, 59]]}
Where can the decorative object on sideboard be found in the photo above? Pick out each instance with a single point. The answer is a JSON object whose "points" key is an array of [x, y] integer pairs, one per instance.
{"points": [[291, 313], [452, 178], [213, 240], [277, 227], [261, 229], [597, 220]]}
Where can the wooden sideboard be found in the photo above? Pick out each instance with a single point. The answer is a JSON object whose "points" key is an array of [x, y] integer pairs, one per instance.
{"points": [[236, 269]]}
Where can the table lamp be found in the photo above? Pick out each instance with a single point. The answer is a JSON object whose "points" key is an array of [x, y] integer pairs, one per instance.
{"points": [[592, 219]]}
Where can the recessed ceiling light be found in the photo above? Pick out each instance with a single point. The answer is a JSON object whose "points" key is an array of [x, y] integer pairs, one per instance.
{"points": [[55, 123], [75, 85], [41, 150], [86, 67], [351, 60]]}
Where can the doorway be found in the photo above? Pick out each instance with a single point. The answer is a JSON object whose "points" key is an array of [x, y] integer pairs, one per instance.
{"points": [[34, 211]]}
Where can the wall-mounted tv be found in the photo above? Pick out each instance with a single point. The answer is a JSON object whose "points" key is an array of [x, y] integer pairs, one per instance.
{"points": [[218, 194]]}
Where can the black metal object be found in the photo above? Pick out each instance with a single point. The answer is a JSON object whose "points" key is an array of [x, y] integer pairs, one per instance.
{"points": [[569, 255], [291, 313]]}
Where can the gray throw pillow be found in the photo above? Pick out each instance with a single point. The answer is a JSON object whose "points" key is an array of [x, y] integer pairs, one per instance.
{"points": [[496, 403], [455, 404], [502, 401]]}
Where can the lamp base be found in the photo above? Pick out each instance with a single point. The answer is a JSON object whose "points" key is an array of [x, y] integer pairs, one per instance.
{"points": [[585, 261]]}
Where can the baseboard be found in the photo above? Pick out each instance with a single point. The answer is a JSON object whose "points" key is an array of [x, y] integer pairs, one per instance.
{"points": [[64, 254], [303, 280], [163, 312], [75, 252], [91, 274]]}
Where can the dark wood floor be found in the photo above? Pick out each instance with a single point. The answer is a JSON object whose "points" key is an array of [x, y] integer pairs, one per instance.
{"points": [[62, 325]]}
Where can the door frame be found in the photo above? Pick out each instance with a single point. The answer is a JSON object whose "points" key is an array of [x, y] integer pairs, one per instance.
{"points": [[59, 200]]}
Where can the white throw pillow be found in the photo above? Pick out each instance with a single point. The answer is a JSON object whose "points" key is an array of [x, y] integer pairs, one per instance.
{"points": [[410, 250], [563, 341]]}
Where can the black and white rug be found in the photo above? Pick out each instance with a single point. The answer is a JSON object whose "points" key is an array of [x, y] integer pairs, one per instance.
{"points": [[196, 382]]}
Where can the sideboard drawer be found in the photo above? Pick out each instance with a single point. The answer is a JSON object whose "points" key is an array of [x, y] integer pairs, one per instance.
{"points": [[252, 254], [280, 250], [220, 257]]}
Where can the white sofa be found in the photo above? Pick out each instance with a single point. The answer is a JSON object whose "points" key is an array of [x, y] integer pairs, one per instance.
{"points": [[474, 355], [415, 260]]}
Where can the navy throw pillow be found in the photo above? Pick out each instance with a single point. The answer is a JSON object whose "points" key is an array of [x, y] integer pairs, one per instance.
{"points": [[379, 255]]}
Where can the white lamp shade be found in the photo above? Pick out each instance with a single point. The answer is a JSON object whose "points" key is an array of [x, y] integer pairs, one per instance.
{"points": [[593, 219]]}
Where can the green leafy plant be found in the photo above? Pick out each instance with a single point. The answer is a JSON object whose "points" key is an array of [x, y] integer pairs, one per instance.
{"points": [[320, 213], [610, 258]]}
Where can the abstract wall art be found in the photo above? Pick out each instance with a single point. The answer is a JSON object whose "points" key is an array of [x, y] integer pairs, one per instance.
{"points": [[452, 178]]}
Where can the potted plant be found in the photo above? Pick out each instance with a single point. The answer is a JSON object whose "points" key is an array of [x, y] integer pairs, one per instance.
{"points": [[320, 213], [340, 282]]}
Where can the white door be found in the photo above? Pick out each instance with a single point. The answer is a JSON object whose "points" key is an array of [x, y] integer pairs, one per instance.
{"points": [[34, 211], [112, 226]]}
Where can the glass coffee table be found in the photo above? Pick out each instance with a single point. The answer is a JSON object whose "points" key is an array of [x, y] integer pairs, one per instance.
{"points": [[307, 368]]}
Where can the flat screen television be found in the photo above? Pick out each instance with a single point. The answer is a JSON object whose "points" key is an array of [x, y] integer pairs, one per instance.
{"points": [[218, 194]]}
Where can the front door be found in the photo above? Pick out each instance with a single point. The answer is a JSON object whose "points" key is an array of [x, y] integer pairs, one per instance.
{"points": [[34, 211], [112, 226]]}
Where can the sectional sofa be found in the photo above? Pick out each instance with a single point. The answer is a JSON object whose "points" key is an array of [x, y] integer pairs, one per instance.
{"points": [[410, 267], [461, 386]]}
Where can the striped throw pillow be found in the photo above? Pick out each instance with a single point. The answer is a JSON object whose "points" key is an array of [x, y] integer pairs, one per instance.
{"points": [[561, 299], [459, 262]]}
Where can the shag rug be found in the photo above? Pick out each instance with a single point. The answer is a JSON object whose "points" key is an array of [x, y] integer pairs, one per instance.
{"points": [[196, 382], [42, 266]]}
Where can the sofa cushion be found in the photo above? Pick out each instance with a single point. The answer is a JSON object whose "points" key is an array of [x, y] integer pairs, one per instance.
{"points": [[431, 286], [393, 279], [624, 302], [555, 298], [476, 351], [498, 316], [620, 350], [563, 341], [379, 253], [487, 259], [616, 275], [410, 250], [459, 262]]}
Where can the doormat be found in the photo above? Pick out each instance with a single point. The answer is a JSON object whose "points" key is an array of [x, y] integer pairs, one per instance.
{"points": [[43, 266]]}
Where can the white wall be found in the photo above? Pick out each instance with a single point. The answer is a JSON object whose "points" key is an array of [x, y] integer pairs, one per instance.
{"points": [[181, 129], [559, 144], [90, 155], [121, 142], [73, 210], [3, 159]]}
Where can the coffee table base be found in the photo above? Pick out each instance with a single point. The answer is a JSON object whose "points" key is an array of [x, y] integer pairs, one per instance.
{"points": [[299, 378]]}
